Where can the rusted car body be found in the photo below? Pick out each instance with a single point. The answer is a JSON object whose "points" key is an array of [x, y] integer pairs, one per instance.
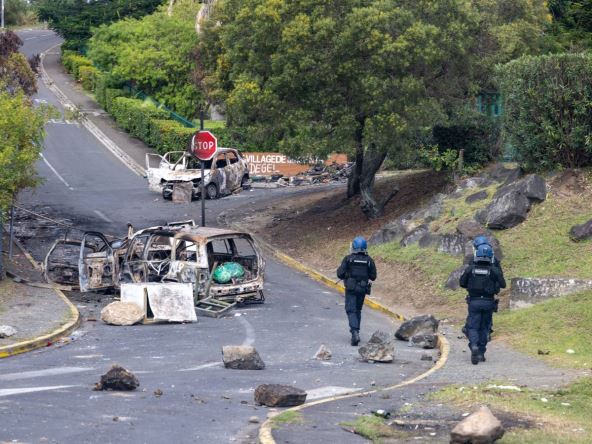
{"points": [[224, 174], [171, 253]]}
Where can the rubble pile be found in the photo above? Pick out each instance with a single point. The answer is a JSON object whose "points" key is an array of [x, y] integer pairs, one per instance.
{"points": [[318, 174]]}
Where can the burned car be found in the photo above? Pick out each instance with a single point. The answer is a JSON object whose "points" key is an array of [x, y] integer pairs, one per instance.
{"points": [[224, 174], [185, 254]]}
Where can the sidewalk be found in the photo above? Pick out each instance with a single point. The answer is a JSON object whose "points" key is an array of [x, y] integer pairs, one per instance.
{"points": [[134, 148], [39, 315]]}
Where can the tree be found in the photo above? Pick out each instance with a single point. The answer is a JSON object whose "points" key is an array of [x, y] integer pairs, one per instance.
{"points": [[154, 53], [74, 19], [362, 76], [15, 71]]}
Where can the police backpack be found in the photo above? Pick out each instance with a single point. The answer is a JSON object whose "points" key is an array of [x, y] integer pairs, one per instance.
{"points": [[482, 281]]}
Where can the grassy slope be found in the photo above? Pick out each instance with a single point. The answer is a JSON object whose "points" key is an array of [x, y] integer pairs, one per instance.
{"points": [[563, 418]]}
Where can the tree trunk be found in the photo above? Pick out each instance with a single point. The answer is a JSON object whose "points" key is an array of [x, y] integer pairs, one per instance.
{"points": [[353, 181], [372, 163]]}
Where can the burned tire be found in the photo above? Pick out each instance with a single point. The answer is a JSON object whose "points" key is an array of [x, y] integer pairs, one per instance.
{"points": [[167, 191], [211, 191]]}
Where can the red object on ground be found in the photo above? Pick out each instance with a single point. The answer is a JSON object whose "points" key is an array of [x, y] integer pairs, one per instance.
{"points": [[204, 145]]}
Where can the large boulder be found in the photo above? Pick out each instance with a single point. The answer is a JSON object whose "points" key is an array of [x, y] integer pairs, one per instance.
{"points": [[277, 395], [476, 197], [453, 281], [506, 211], [430, 240], [581, 232], [380, 348], [415, 235], [122, 313], [425, 324], [470, 228], [118, 378], [532, 186], [526, 292], [394, 231], [452, 244], [481, 427], [241, 357], [500, 173], [434, 209], [7, 331]]}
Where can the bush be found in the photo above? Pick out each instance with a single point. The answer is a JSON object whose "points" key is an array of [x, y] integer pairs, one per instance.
{"points": [[110, 95], [547, 109], [87, 76], [136, 116], [73, 62], [99, 89], [169, 135]]}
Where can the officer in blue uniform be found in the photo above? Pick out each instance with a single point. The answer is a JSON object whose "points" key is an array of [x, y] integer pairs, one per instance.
{"points": [[356, 270], [483, 280]]}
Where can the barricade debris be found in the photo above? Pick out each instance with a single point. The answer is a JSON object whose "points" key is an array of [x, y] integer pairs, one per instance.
{"points": [[122, 313], [118, 378], [241, 357], [277, 395]]}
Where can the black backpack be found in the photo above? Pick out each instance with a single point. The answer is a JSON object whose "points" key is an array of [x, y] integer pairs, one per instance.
{"points": [[482, 280]]}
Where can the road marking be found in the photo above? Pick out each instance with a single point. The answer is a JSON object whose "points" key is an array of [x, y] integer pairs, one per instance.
{"points": [[331, 390], [201, 367], [250, 331], [102, 216], [46, 372], [20, 391], [56, 173]]}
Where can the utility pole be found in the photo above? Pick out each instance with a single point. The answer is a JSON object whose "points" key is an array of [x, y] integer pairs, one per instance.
{"points": [[2, 20]]}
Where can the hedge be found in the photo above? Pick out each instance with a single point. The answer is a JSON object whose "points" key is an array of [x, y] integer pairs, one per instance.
{"points": [[73, 62], [547, 109], [170, 135], [135, 116], [110, 95], [87, 76]]}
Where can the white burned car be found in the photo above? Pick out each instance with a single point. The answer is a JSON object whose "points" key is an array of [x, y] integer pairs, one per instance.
{"points": [[173, 253], [224, 174]]}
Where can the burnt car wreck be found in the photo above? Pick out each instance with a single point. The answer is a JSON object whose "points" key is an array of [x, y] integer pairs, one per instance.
{"points": [[174, 253], [224, 174]]}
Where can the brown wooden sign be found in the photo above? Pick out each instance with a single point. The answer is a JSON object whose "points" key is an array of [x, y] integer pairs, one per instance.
{"points": [[268, 164]]}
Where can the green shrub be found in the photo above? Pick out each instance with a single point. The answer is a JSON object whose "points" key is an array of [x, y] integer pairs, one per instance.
{"points": [[547, 109], [169, 135], [100, 87], [87, 76], [110, 95], [73, 62], [135, 116]]}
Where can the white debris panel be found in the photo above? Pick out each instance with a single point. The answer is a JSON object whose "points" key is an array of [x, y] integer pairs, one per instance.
{"points": [[171, 301]]}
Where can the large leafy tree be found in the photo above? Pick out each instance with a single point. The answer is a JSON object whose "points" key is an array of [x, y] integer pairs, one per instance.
{"points": [[154, 53], [361, 76], [74, 19], [15, 71]]}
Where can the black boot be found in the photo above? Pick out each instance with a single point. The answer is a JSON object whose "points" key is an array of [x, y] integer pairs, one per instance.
{"points": [[475, 355], [355, 338]]}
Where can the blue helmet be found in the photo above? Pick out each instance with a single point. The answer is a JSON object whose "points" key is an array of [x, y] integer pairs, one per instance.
{"points": [[359, 245], [480, 240], [484, 253]]}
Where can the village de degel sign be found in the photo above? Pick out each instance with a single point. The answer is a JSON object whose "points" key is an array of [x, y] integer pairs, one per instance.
{"points": [[204, 145]]}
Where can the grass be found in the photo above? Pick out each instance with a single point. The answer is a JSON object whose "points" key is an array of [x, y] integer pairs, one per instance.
{"points": [[372, 428], [555, 326], [286, 417], [211, 124], [563, 418]]}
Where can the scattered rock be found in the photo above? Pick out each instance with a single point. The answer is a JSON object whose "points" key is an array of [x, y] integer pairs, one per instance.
{"points": [[453, 281], [581, 232], [6, 331], [425, 341], [158, 393], [481, 427], [415, 235], [277, 395], [380, 348], [425, 324], [543, 352], [118, 378], [434, 209], [393, 231], [452, 244], [242, 357], [470, 228], [506, 211], [500, 173], [430, 240], [254, 420], [323, 353], [426, 357], [473, 182], [122, 313], [475, 197]]}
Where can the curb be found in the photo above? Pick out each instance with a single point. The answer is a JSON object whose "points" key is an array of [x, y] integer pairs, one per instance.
{"points": [[90, 126], [47, 339], [265, 431]]}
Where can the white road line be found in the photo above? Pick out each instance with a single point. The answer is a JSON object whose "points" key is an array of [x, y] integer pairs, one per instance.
{"points": [[102, 216], [46, 372], [56, 173], [250, 331], [201, 367], [20, 391]]}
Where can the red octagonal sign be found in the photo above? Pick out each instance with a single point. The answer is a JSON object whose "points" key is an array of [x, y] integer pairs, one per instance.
{"points": [[204, 145]]}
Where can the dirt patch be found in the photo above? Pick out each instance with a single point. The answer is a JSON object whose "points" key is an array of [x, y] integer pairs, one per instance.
{"points": [[569, 183], [318, 227]]}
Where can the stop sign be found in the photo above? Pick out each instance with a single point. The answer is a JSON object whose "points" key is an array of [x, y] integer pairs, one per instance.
{"points": [[204, 145]]}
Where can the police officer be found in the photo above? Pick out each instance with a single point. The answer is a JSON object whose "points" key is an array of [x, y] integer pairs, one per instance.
{"points": [[483, 280], [356, 270]]}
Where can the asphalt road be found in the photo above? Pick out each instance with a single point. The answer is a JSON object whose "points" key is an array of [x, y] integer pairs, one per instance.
{"points": [[47, 396]]}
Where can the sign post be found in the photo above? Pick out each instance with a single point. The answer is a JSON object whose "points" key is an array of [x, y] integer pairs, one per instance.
{"points": [[203, 146]]}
